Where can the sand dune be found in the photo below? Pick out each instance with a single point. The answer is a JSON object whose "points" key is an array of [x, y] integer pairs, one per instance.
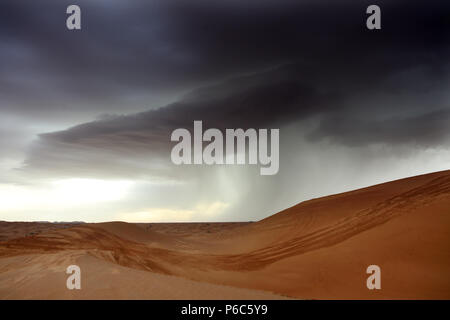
{"points": [[318, 249], [42, 276], [11, 230]]}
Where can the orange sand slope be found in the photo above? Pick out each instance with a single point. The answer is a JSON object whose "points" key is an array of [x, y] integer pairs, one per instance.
{"points": [[318, 249]]}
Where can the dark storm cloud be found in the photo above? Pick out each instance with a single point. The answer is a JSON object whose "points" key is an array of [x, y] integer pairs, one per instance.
{"points": [[426, 130], [139, 54], [271, 99], [268, 99], [273, 63]]}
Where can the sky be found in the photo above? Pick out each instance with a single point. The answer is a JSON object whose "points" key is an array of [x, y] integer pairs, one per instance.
{"points": [[86, 115]]}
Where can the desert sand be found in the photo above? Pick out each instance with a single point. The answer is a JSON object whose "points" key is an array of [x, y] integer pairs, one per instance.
{"points": [[318, 249]]}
